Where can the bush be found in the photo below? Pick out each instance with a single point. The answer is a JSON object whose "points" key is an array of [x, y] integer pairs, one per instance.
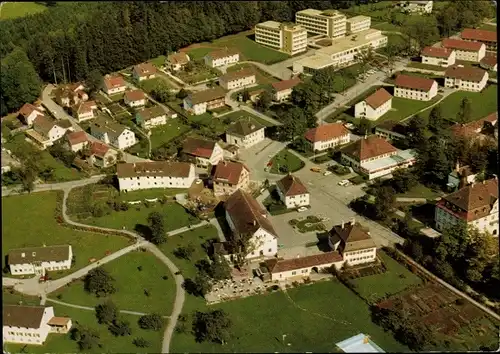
{"points": [[120, 328], [141, 342], [152, 321]]}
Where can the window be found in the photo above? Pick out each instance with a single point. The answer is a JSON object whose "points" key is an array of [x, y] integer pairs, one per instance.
{"points": [[293, 273]]}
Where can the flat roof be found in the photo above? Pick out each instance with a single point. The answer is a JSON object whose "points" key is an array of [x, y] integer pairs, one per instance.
{"points": [[352, 41], [360, 343], [316, 61], [359, 18], [429, 232], [271, 24], [389, 161], [321, 13]]}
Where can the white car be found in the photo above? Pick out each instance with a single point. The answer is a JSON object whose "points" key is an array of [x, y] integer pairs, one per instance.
{"points": [[327, 173], [349, 125], [301, 209], [344, 182]]}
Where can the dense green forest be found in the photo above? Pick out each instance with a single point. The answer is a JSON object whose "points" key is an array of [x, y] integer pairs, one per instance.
{"points": [[68, 41]]}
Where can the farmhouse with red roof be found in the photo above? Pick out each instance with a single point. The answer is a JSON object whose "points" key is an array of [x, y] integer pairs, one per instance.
{"points": [[466, 50], [374, 106], [438, 56], [202, 152], [415, 87], [327, 136]]}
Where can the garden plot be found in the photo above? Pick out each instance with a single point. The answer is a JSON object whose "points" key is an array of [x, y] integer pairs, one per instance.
{"points": [[309, 224]]}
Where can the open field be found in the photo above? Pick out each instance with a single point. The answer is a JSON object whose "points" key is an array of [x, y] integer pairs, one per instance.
{"points": [[403, 108], [43, 229], [285, 158], [488, 27], [131, 284], [62, 343], [261, 76], [164, 134], [158, 61], [12, 10], [237, 115], [148, 85], [420, 191], [12, 297]]}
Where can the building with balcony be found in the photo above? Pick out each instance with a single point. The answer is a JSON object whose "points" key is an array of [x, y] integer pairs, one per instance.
{"points": [[328, 22], [288, 38]]}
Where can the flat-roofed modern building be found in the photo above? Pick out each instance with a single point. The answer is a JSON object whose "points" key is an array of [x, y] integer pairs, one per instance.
{"points": [[358, 23], [286, 37], [329, 22]]}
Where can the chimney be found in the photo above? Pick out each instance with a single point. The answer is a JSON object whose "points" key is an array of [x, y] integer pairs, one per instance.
{"points": [[342, 224]]}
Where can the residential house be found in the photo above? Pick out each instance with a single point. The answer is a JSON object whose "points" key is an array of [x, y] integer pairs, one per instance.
{"points": [[71, 95], [374, 106], [31, 324], [489, 62], [292, 192], [466, 78], [28, 113], [134, 98], [111, 132], [475, 204], [199, 102], [156, 174], [101, 155], [45, 131], [481, 129], [438, 56], [144, 71], [415, 88], [245, 133], [39, 260], [391, 130], [354, 242], [202, 152], [114, 84], [289, 38], [154, 116], [177, 61], [489, 38], [374, 157], [460, 177], [84, 110], [327, 136], [237, 79], [231, 151], [282, 90], [229, 176], [76, 141], [465, 50], [221, 57], [416, 6], [358, 24]]}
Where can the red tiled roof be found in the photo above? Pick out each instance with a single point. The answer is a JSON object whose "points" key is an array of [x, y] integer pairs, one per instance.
{"points": [[414, 82], [284, 265], [77, 137], [114, 81], [145, 69], [369, 147], [436, 52], [473, 127], [237, 75], [291, 185], [462, 45], [326, 132], [178, 58], [489, 60], [86, 107], [99, 149], [229, 172], [466, 73], [27, 109], [198, 147], [134, 95], [479, 35], [378, 98], [223, 53], [286, 84]]}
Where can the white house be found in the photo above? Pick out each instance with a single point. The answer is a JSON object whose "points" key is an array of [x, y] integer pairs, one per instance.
{"points": [[229, 176], [354, 242], [154, 116], [293, 193], [45, 131], [202, 152], [84, 110], [101, 155], [466, 78], [283, 89], [134, 98], [38, 260], [31, 324], [221, 58], [475, 204], [236, 79], [466, 50], [327, 136], [144, 71], [415, 88], [416, 6], [76, 141], [111, 132], [489, 62], [114, 84], [374, 106], [199, 102], [177, 61], [28, 113], [438, 56], [245, 133], [156, 174]]}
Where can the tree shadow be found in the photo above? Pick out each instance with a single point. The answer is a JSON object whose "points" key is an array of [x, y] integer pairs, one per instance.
{"points": [[322, 244], [143, 230]]}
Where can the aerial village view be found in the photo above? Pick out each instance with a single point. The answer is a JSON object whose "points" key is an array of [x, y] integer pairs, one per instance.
{"points": [[249, 176]]}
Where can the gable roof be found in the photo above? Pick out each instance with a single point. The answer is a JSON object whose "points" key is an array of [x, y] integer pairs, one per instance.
{"points": [[39, 254], [114, 81], [64, 123], [198, 147], [134, 95], [461, 45], [111, 127], [236, 75], [223, 53], [246, 214], [77, 137], [207, 95], [178, 58], [479, 35], [466, 73], [291, 185], [474, 127], [228, 172], [378, 98], [489, 60], [286, 84], [414, 82], [369, 147], [155, 168], [151, 112], [145, 69], [326, 132], [436, 52], [85, 107], [27, 109], [353, 236], [244, 127], [99, 149], [284, 265], [23, 316], [43, 124]]}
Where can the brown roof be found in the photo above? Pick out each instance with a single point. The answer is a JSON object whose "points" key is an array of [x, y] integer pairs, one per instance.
{"points": [[27, 109], [291, 185], [436, 52], [285, 265], [85, 107], [134, 95], [145, 69], [114, 81], [155, 168], [64, 123], [489, 60], [58, 321], [414, 82], [77, 137], [198, 147], [246, 214], [39, 254], [474, 127], [99, 149], [207, 95], [103, 124], [352, 236], [229, 172], [479, 35], [152, 112], [223, 53], [178, 58], [393, 126], [369, 147], [43, 124], [23, 316], [236, 75], [326, 132], [244, 127], [466, 73], [378, 98], [286, 84], [461, 45]]}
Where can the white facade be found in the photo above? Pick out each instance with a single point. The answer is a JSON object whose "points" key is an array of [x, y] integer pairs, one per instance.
{"points": [[246, 141], [381, 165], [304, 272], [290, 39], [418, 6], [125, 140], [329, 22], [134, 103], [416, 94], [293, 201], [77, 147], [23, 335], [471, 55], [56, 133], [147, 182], [362, 109], [360, 256], [41, 267], [439, 61], [283, 95], [82, 116], [217, 155], [358, 23], [466, 85], [196, 109], [217, 62], [154, 122], [237, 82], [32, 116], [326, 144]]}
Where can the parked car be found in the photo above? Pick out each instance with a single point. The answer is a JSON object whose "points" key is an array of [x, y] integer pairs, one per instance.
{"points": [[316, 169], [343, 183], [327, 173], [301, 209]]}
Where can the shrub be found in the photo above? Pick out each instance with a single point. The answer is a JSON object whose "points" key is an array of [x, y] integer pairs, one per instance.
{"points": [[141, 342], [151, 321]]}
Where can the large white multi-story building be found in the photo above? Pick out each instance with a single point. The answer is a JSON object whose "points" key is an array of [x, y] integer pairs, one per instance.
{"points": [[489, 38], [156, 174], [415, 88], [237, 79], [374, 106], [358, 23], [465, 50], [38, 260], [438, 56], [286, 37], [292, 192], [466, 78], [245, 133], [327, 136], [475, 204], [329, 22]]}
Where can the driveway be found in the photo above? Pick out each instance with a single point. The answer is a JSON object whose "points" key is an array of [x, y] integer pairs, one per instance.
{"points": [[257, 157]]}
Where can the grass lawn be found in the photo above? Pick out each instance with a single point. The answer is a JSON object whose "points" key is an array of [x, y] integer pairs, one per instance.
{"points": [[130, 283], [12, 297], [199, 53], [12, 10], [419, 65], [261, 76], [237, 115], [148, 85], [116, 97], [43, 229], [397, 278], [403, 108], [286, 158], [420, 191], [386, 26], [62, 343], [484, 26], [483, 103], [165, 133], [158, 61]]}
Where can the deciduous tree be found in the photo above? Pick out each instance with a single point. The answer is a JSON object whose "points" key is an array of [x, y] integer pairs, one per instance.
{"points": [[212, 326], [99, 282], [106, 312], [157, 226]]}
